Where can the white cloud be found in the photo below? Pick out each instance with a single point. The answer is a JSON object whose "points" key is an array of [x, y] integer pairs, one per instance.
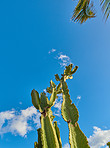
{"points": [[7, 115], [53, 50], [79, 97], [19, 122], [65, 60], [45, 90], [66, 145], [99, 138]]}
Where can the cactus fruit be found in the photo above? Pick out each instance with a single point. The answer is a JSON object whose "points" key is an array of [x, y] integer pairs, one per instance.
{"points": [[49, 134]]}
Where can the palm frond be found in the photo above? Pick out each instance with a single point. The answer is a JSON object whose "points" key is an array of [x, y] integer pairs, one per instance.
{"points": [[106, 8], [83, 11]]}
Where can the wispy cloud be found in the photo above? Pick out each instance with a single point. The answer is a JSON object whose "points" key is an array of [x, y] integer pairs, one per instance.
{"points": [[78, 97], [52, 50], [66, 145], [19, 122], [57, 105], [99, 138], [64, 60], [78, 100]]}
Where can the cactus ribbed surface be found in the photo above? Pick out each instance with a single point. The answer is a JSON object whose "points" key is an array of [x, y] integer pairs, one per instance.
{"points": [[77, 138], [39, 138], [70, 113], [58, 134], [49, 137], [68, 110], [49, 133]]}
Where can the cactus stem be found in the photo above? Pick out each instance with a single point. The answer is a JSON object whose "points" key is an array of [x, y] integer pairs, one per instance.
{"points": [[44, 113]]}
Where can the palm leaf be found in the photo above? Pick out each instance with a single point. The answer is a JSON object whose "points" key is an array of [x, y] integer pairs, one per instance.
{"points": [[83, 11], [105, 8]]}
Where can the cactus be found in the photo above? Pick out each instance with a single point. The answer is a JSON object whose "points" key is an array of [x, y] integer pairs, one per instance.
{"points": [[49, 134]]}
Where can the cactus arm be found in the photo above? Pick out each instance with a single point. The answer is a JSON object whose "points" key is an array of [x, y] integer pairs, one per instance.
{"points": [[58, 134], [44, 101], [49, 137], [57, 77], [68, 69], [39, 138], [70, 113], [77, 138], [59, 86], [35, 99], [68, 110], [74, 70], [68, 72], [54, 91], [53, 97]]}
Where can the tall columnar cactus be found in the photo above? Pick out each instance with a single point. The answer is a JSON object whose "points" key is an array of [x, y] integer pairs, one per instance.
{"points": [[49, 134]]}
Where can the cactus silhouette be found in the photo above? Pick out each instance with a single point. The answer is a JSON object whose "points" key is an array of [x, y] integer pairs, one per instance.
{"points": [[49, 134]]}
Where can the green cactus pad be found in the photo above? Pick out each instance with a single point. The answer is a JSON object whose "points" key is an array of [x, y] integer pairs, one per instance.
{"points": [[68, 110], [77, 139], [35, 99]]}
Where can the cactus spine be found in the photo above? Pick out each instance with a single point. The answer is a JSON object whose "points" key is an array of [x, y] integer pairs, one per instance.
{"points": [[49, 134]]}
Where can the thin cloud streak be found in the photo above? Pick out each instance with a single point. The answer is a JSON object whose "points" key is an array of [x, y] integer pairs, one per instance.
{"points": [[65, 60], [51, 51]]}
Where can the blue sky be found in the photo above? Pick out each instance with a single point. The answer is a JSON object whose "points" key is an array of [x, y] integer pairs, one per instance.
{"points": [[37, 39]]}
